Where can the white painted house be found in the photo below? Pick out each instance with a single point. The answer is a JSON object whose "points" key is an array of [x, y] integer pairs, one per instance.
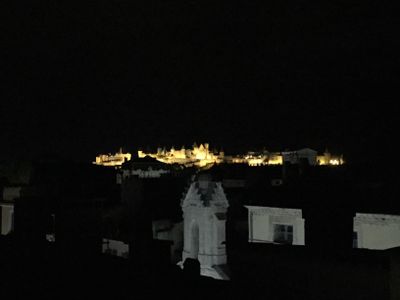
{"points": [[376, 231], [275, 225]]}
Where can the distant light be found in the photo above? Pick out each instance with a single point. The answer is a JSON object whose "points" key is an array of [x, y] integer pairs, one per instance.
{"points": [[334, 162]]}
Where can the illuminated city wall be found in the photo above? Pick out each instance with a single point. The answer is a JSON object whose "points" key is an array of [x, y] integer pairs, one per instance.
{"points": [[112, 160], [202, 156], [328, 159], [199, 156]]}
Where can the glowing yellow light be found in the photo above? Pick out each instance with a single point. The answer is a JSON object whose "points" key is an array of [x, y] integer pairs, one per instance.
{"points": [[275, 160], [110, 160], [201, 156], [334, 162]]}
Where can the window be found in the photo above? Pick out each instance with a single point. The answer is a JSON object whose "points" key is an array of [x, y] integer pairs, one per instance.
{"points": [[283, 234]]}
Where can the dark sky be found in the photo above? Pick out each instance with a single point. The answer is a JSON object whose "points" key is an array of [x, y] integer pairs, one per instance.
{"points": [[87, 78]]}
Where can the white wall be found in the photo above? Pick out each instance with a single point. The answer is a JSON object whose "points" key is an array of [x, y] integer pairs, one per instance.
{"points": [[7, 211], [377, 231], [262, 221], [212, 250]]}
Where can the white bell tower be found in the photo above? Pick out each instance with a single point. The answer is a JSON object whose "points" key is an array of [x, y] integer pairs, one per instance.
{"points": [[204, 213]]}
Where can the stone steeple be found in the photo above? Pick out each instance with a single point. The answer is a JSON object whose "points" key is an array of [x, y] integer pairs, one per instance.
{"points": [[204, 212]]}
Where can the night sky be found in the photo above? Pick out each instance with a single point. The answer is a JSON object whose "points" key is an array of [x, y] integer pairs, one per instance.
{"points": [[87, 78]]}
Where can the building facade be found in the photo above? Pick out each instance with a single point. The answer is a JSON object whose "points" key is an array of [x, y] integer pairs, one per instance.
{"points": [[275, 225], [376, 231], [204, 216]]}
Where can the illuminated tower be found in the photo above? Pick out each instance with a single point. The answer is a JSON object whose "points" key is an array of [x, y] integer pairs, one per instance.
{"points": [[204, 212]]}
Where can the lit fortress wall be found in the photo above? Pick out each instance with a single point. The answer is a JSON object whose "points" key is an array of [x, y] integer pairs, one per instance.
{"points": [[201, 156], [329, 159], [112, 160]]}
